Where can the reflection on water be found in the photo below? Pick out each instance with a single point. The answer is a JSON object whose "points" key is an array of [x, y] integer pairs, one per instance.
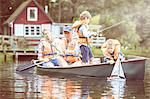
{"points": [[30, 85], [116, 89], [60, 89]]}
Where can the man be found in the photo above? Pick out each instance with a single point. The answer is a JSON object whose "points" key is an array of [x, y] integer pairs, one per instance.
{"points": [[112, 51], [49, 51], [72, 48], [82, 29]]}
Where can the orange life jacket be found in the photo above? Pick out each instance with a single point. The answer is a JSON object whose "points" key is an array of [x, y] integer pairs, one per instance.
{"points": [[71, 57], [82, 39]]}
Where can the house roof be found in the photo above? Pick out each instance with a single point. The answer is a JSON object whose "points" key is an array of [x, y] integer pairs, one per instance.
{"points": [[16, 13]]}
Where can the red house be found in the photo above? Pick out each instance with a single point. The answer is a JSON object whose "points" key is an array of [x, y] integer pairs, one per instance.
{"points": [[28, 20]]}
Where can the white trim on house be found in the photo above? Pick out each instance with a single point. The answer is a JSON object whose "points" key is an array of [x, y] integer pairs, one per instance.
{"points": [[32, 14], [46, 26], [56, 30]]}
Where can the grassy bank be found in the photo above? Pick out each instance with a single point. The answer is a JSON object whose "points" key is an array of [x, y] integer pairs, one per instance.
{"points": [[127, 52], [137, 52], [9, 57]]}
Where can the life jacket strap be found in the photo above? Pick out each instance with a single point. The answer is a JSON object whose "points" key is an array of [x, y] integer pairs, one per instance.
{"points": [[50, 54], [71, 55]]}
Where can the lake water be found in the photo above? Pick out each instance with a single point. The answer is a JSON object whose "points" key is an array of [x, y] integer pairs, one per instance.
{"points": [[30, 85]]}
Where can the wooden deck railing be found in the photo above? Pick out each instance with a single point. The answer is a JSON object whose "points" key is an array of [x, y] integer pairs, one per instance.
{"points": [[18, 43], [98, 41], [28, 46], [21, 47]]}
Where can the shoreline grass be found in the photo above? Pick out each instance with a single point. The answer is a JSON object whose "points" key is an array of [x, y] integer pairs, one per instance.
{"points": [[127, 52]]}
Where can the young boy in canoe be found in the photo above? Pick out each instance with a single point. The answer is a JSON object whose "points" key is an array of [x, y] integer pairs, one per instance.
{"points": [[82, 29], [112, 51], [49, 51], [72, 53]]}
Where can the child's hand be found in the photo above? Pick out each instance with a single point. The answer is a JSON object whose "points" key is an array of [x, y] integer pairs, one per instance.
{"points": [[95, 34], [111, 61]]}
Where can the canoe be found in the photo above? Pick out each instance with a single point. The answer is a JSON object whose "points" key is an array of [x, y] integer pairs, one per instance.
{"points": [[133, 67]]}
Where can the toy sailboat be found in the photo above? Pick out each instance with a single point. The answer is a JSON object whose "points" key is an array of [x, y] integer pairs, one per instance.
{"points": [[117, 72]]}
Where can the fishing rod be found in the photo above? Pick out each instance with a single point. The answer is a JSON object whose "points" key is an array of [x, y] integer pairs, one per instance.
{"points": [[114, 25]]}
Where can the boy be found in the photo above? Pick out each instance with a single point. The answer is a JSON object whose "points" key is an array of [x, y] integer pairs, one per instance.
{"points": [[82, 29], [112, 51]]}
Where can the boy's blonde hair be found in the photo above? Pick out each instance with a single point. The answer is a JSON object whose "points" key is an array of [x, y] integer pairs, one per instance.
{"points": [[85, 14], [110, 43]]}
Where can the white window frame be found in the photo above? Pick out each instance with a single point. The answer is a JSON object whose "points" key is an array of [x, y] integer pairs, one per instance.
{"points": [[30, 30], [29, 9]]}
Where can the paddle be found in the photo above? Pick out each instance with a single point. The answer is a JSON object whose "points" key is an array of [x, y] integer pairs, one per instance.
{"points": [[28, 66]]}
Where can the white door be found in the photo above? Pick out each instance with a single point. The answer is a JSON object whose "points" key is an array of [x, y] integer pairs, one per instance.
{"points": [[18, 30]]}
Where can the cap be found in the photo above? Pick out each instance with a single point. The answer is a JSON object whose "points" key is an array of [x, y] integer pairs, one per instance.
{"points": [[67, 28]]}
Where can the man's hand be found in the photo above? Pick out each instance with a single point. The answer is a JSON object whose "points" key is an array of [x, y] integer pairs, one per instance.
{"points": [[44, 59]]}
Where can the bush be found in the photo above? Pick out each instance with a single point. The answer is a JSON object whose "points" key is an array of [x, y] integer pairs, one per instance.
{"points": [[22, 43]]}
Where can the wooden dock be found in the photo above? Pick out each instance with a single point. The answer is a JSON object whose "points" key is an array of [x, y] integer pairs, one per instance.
{"points": [[22, 48], [20, 55], [24, 56]]}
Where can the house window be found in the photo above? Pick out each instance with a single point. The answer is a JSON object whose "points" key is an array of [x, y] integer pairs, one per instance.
{"points": [[32, 14], [26, 30], [37, 30], [32, 30]]}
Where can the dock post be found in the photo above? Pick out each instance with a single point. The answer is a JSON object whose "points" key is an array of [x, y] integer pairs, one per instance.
{"points": [[16, 56], [5, 56]]}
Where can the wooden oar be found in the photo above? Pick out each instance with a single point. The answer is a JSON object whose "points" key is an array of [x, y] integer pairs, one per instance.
{"points": [[28, 66], [34, 63]]}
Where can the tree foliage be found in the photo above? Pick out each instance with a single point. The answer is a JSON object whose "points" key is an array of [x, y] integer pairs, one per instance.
{"points": [[133, 32]]}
